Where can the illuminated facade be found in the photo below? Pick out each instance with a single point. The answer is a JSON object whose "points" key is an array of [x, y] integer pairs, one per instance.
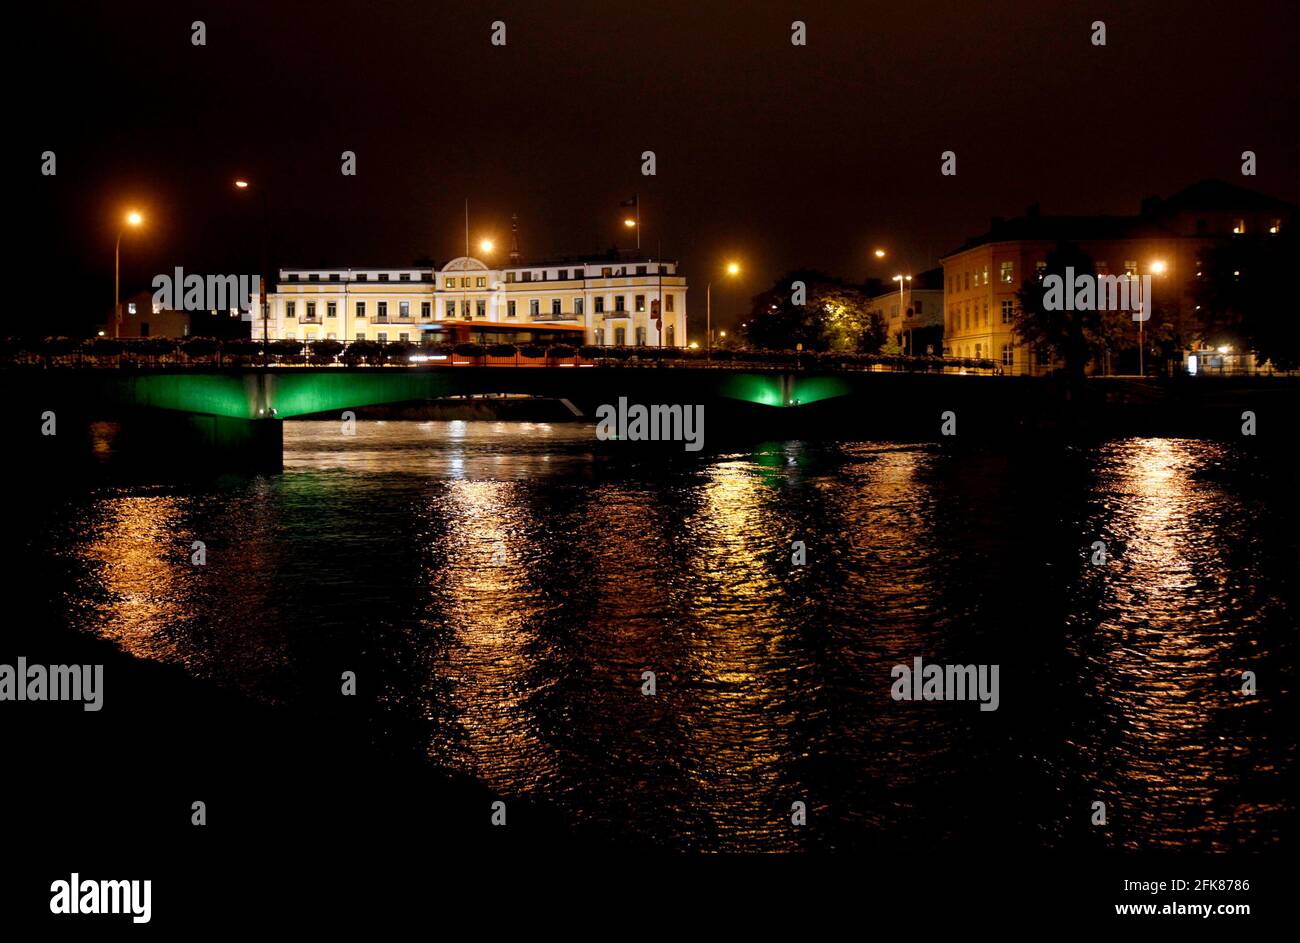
{"points": [[1168, 240], [614, 301]]}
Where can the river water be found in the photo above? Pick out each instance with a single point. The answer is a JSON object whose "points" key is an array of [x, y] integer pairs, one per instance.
{"points": [[500, 590]]}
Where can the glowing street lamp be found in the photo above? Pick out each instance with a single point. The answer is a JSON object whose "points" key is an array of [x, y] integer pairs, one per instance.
{"points": [[134, 220], [732, 269], [486, 246], [879, 253], [242, 183]]}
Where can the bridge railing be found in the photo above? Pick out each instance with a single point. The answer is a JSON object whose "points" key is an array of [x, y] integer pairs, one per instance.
{"points": [[198, 352]]}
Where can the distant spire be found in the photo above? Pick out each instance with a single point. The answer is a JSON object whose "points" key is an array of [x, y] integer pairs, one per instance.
{"points": [[514, 238]]}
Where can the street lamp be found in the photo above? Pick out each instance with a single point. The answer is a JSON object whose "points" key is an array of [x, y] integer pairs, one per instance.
{"points": [[243, 184], [880, 253], [133, 219], [486, 246], [732, 269], [1158, 267]]}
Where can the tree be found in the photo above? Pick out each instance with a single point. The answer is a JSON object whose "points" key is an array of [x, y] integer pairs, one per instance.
{"points": [[1075, 337], [1243, 297], [323, 352], [833, 316]]}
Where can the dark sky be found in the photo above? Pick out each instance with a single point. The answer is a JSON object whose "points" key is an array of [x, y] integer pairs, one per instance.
{"points": [[780, 156]]}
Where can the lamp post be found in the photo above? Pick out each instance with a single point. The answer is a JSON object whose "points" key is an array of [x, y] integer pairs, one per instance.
{"points": [[132, 219], [244, 184], [733, 269], [1157, 268]]}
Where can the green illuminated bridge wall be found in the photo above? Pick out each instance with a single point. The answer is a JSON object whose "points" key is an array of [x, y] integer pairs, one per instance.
{"points": [[286, 393]]}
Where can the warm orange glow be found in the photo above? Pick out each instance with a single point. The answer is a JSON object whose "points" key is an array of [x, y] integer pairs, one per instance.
{"points": [[134, 219], [487, 245], [1158, 267], [241, 184], [733, 268], [880, 253], [629, 222]]}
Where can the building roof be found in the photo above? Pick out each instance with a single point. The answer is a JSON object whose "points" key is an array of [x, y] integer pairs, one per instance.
{"points": [[1205, 196]]}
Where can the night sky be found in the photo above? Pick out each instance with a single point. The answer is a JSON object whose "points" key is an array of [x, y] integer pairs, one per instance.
{"points": [[777, 155]]}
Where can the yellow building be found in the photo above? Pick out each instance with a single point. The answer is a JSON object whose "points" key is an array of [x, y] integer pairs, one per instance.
{"points": [[1167, 240], [612, 299]]}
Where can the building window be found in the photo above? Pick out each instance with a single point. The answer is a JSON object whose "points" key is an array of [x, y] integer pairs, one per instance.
{"points": [[986, 314], [480, 308], [986, 275], [510, 308], [578, 307], [555, 306], [640, 337], [464, 310], [404, 277], [403, 309], [403, 336], [620, 336], [534, 308], [361, 309], [363, 278], [671, 338], [426, 310], [289, 309], [311, 311], [449, 283], [480, 282], [464, 281], [361, 335], [1006, 273], [600, 337], [382, 337], [383, 276], [331, 309], [1008, 355], [606, 272], [979, 351], [640, 304], [668, 302], [620, 302], [381, 309], [1131, 268], [451, 309], [1008, 311], [510, 278], [526, 276], [600, 304]]}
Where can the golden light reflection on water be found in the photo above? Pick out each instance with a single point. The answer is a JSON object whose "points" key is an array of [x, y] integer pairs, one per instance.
{"points": [[137, 553], [490, 606], [1163, 653], [529, 584]]}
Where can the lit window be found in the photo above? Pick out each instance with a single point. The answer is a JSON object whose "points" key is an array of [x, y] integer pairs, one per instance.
{"points": [[1006, 273], [1008, 311]]}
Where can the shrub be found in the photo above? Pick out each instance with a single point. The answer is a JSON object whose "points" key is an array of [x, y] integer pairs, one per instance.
{"points": [[502, 350]]}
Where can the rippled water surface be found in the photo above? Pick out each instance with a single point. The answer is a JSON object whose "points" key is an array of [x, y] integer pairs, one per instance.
{"points": [[505, 587]]}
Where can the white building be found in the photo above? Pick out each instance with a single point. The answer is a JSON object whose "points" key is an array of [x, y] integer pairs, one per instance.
{"points": [[613, 300]]}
